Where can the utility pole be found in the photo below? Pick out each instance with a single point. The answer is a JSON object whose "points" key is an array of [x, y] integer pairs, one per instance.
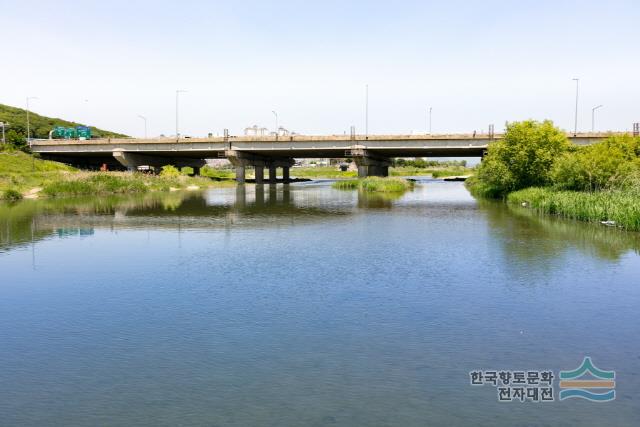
{"points": [[276, 114], [28, 122], [593, 117], [178, 92], [575, 128], [366, 111], [3, 124], [145, 125]]}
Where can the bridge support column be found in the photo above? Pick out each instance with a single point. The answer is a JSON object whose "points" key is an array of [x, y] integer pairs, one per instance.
{"points": [[273, 177], [285, 174], [259, 174], [240, 173], [370, 164], [242, 159]]}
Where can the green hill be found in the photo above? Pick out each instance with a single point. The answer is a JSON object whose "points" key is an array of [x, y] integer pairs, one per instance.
{"points": [[40, 125]]}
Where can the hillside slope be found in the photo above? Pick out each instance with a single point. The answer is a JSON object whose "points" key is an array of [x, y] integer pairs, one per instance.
{"points": [[40, 125]]}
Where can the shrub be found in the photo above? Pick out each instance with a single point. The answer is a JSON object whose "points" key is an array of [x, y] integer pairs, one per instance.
{"points": [[523, 158], [169, 171], [608, 164], [11, 195]]}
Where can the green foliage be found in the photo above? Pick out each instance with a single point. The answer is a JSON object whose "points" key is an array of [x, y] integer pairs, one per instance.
{"points": [[524, 158], [186, 170], [609, 164], [40, 126], [11, 195], [375, 184], [169, 171], [217, 174], [622, 207]]}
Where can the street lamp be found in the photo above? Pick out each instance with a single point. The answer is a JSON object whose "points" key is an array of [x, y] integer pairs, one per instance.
{"points": [[145, 125], [430, 109], [28, 122], [366, 111], [3, 125], [575, 128], [276, 114], [593, 116], [178, 92]]}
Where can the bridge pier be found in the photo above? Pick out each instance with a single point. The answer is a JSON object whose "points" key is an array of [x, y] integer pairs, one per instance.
{"points": [[272, 174], [240, 174], [285, 174], [259, 173], [241, 160], [370, 164]]}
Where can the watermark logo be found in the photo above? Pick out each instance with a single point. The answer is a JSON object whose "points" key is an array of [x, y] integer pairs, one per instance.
{"points": [[586, 382], [572, 385]]}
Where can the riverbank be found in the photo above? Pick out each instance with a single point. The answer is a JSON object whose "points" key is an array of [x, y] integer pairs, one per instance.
{"points": [[24, 176], [612, 208], [335, 173]]}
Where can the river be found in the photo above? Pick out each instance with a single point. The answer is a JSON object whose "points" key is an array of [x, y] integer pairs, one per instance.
{"points": [[304, 305]]}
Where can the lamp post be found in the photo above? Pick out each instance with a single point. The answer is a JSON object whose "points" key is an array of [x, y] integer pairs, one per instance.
{"points": [[3, 124], [575, 128], [593, 116], [276, 114], [28, 122], [366, 110], [178, 92], [430, 109], [145, 125]]}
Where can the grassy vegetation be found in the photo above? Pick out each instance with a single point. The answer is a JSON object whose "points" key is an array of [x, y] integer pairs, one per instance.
{"points": [[39, 125], [322, 172], [622, 207], [375, 184], [23, 175]]}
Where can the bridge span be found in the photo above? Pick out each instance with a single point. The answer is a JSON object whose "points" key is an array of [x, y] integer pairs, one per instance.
{"points": [[371, 153]]}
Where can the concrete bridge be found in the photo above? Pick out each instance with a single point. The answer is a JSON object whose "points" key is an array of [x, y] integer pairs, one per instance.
{"points": [[371, 153]]}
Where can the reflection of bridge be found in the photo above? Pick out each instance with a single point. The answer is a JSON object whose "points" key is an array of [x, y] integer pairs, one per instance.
{"points": [[371, 153]]}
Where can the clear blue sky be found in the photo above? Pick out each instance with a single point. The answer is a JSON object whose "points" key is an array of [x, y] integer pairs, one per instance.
{"points": [[475, 62]]}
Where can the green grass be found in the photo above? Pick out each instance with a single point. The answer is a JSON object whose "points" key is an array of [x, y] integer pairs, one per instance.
{"points": [[21, 173], [375, 184], [623, 207], [322, 172]]}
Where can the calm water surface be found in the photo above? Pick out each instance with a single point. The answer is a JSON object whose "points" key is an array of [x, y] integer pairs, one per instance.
{"points": [[304, 305]]}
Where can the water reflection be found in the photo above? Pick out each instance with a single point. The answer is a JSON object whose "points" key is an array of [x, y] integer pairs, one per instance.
{"points": [[538, 238], [526, 236]]}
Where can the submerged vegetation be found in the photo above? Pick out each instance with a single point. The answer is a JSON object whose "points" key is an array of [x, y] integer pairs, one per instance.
{"points": [[376, 184], [536, 167]]}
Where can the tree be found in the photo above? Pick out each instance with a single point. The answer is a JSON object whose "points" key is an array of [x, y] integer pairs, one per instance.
{"points": [[523, 158]]}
